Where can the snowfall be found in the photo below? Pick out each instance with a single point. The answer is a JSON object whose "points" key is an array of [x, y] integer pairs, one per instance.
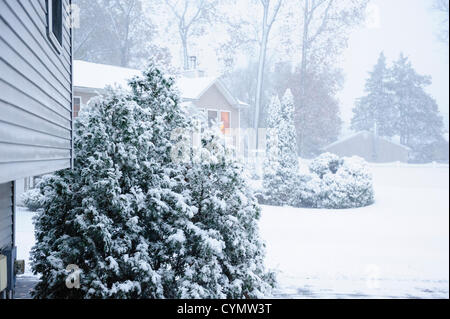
{"points": [[396, 248]]}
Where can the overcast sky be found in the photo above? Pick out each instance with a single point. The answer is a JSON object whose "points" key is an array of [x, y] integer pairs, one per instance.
{"points": [[395, 26]]}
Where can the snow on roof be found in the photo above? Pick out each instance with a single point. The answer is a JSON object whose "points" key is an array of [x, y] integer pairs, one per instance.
{"points": [[97, 76], [366, 134], [193, 88]]}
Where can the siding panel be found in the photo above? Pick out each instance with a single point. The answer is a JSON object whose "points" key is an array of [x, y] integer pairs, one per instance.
{"points": [[35, 93], [13, 169]]}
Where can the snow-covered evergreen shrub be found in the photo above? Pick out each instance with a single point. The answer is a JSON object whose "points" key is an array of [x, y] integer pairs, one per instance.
{"points": [[325, 163], [32, 199], [281, 163], [335, 182], [350, 187], [138, 216], [224, 254], [307, 191]]}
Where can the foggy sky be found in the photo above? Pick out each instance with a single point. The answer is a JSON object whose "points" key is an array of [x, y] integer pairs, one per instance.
{"points": [[407, 26]]}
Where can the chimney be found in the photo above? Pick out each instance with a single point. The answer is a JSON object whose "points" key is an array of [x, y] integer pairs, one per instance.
{"points": [[193, 71]]}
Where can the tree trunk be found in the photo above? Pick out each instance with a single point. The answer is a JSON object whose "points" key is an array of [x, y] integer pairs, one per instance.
{"points": [[262, 62], [303, 68], [185, 51]]}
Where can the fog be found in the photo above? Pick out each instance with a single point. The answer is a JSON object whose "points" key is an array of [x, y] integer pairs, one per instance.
{"points": [[323, 51], [408, 26]]}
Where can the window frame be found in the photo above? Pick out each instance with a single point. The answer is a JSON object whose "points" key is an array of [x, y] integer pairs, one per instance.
{"points": [[229, 119], [57, 45], [217, 117]]}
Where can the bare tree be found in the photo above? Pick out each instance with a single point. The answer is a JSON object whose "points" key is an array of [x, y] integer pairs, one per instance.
{"points": [[442, 7], [250, 33], [269, 16], [190, 15], [116, 32], [325, 25]]}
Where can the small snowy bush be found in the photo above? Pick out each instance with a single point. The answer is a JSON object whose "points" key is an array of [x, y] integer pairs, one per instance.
{"points": [[141, 214], [335, 182], [32, 199], [324, 164], [350, 186]]}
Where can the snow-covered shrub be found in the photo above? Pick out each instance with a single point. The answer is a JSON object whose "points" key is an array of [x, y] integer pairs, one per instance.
{"points": [[32, 199], [223, 250], [351, 185], [307, 191], [324, 164], [335, 182], [139, 216], [281, 163]]}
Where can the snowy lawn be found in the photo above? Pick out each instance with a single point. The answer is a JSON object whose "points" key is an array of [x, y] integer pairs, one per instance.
{"points": [[399, 247], [396, 248]]}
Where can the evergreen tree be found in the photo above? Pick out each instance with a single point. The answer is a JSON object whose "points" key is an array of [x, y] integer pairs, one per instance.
{"points": [[130, 216], [375, 110], [418, 120], [281, 166], [271, 161], [229, 258]]}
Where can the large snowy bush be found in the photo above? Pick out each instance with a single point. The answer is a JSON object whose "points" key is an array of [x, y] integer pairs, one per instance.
{"points": [[139, 216], [224, 255]]}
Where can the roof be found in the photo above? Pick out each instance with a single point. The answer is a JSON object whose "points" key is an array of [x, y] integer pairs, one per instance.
{"points": [[88, 75], [97, 76], [365, 134], [193, 88]]}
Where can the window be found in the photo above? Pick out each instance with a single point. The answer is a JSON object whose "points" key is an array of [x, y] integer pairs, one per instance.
{"points": [[76, 106], [213, 117], [55, 23], [225, 120]]}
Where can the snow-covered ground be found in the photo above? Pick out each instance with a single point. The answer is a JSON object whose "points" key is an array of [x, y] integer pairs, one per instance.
{"points": [[396, 248], [24, 236]]}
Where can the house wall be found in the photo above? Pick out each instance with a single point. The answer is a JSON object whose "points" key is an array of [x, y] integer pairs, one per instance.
{"points": [[85, 97], [214, 100], [35, 92], [371, 149]]}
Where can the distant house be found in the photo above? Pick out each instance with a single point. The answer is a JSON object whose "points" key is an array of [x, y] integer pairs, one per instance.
{"points": [[370, 147], [207, 94], [36, 104]]}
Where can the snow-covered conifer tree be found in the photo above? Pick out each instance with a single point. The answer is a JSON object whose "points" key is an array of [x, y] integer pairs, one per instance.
{"points": [[281, 166], [376, 111], [222, 252], [419, 122], [129, 217]]}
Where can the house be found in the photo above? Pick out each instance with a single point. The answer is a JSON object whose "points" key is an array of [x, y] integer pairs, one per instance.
{"points": [[370, 147], [207, 94], [36, 103]]}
